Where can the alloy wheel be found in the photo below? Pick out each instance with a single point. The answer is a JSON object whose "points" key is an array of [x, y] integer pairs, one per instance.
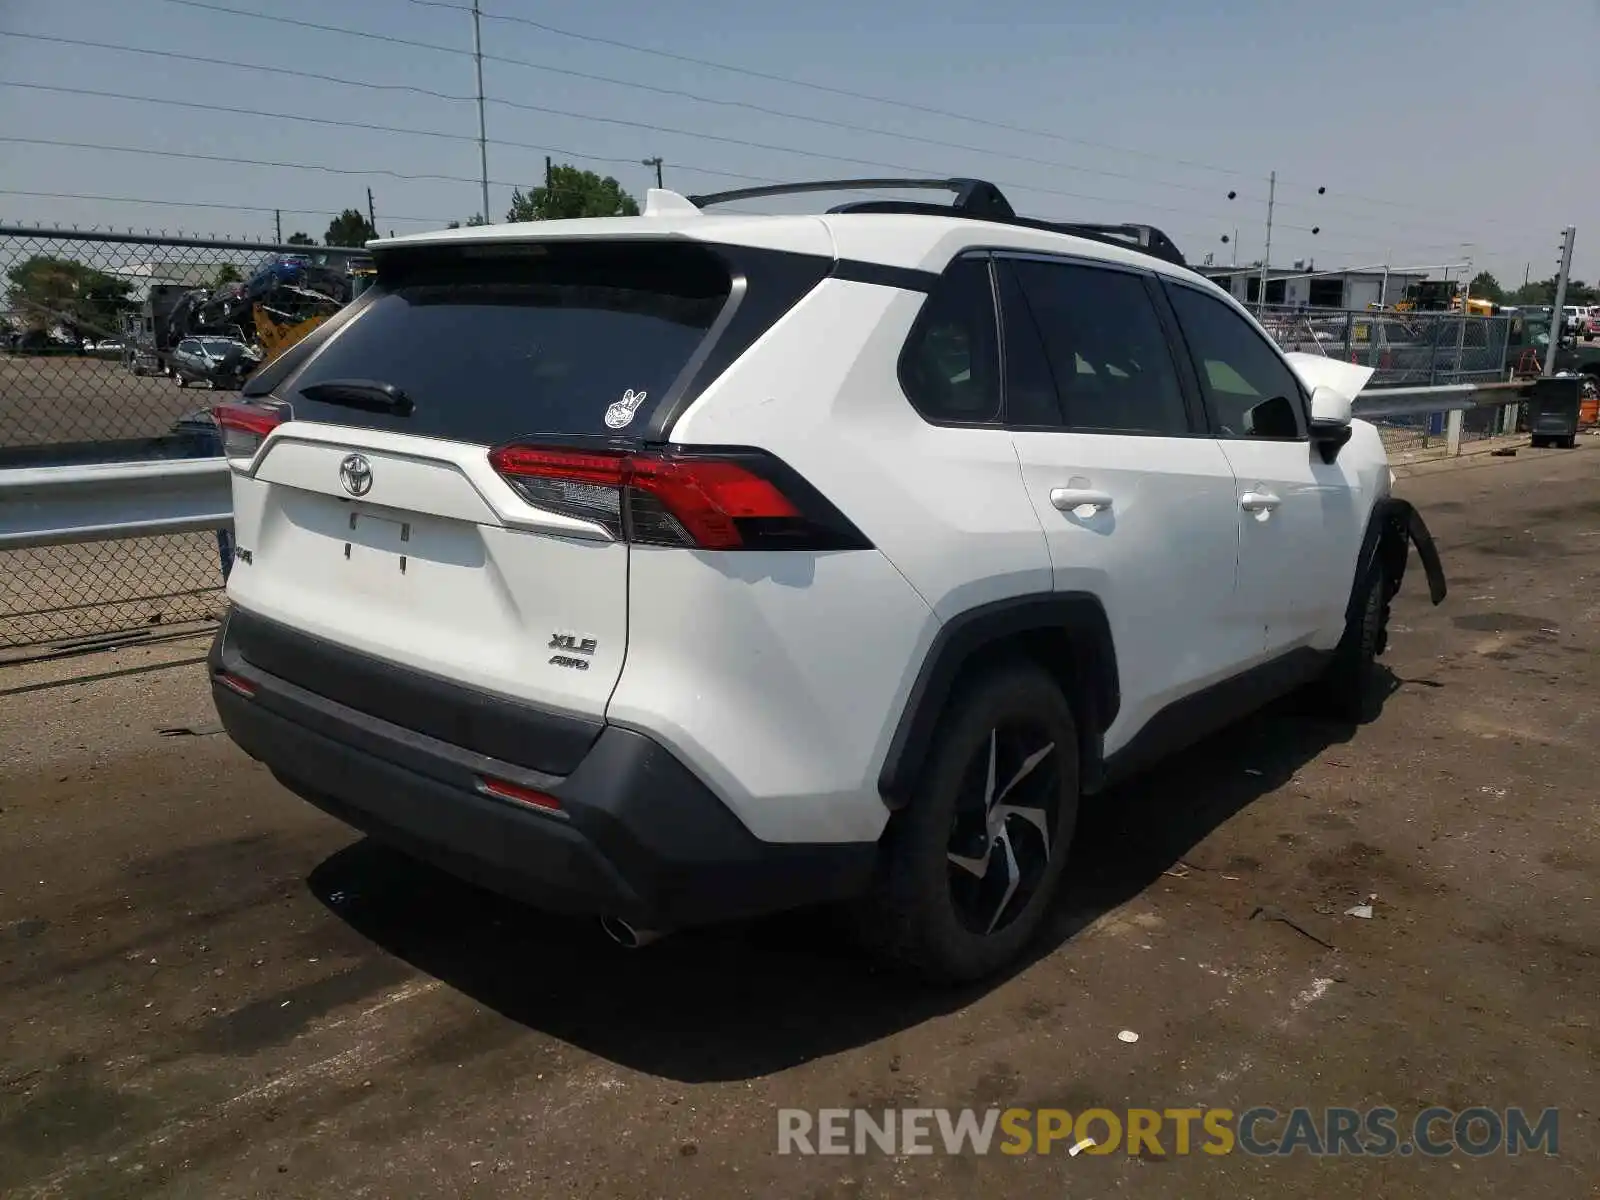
{"points": [[1007, 813]]}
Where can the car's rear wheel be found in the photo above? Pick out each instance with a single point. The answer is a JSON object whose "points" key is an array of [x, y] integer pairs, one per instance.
{"points": [[972, 862]]}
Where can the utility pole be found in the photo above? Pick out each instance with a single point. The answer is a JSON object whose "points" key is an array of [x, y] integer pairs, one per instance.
{"points": [[277, 221], [1558, 322], [1266, 258], [483, 127], [372, 215], [1461, 329], [656, 163], [549, 173]]}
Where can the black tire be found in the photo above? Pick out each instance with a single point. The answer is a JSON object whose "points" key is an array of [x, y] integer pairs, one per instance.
{"points": [[1539, 443], [1344, 688], [928, 909], [1570, 442]]}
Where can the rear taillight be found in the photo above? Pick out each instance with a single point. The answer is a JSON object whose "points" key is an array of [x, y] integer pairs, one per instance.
{"points": [[721, 500], [245, 426]]}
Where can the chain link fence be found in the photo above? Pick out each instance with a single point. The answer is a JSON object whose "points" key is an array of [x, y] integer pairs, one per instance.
{"points": [[1406, 349], [105, 339]]}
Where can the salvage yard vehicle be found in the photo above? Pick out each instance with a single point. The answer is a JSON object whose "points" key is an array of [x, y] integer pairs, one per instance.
{"points": [[692, 566], [219, 363]]}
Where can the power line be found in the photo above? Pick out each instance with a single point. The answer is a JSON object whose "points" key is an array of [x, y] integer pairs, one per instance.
{"points": [[832, 124], [519, 145], [206, 60], [763, 109], [590, 117], [301, 166], [361, 33], [876, 164], [255, 208], [209, 60], [329, 121], [909, 105], [854, 95], [222, 158], [242, 112], [368, 34]]}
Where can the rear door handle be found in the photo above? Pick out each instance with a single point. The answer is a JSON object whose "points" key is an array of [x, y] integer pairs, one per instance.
{"points": [[1071, 499], [1258, 502]]}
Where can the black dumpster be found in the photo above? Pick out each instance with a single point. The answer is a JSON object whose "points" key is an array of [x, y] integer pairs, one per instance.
{"points": [[1553, 410]]}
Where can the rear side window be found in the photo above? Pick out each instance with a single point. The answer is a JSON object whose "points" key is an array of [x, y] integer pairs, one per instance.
{"points": [[1251, 391], [950, 367], [492, 342], [1106, 347], [1031, 398]]}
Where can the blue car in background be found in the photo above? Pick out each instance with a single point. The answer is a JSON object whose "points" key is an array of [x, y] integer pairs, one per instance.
{"points": [[281, 268]]}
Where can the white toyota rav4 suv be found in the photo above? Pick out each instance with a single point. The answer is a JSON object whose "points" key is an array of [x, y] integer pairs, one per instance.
{"points": [[686, 567]]}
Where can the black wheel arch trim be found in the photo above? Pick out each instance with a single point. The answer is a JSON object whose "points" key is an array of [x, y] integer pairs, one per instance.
{"points": [[1393, 528], [1092, 665]]}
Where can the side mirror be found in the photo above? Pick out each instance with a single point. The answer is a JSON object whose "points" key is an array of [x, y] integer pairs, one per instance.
{"points": [[1330, 421]]}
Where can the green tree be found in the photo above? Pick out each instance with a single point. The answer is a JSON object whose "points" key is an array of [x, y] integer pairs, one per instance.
{"points": [[350, 228], [47, 293], [1485, 286], [572, 193], [227, 273], [303, 239], [1542, 291]]}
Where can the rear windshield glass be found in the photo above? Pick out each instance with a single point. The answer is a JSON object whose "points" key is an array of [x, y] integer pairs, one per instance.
{"points": [[491, 343]]}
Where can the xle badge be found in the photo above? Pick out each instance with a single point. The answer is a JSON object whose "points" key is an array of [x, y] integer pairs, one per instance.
{"points": [[571, 644], [620, 414]]}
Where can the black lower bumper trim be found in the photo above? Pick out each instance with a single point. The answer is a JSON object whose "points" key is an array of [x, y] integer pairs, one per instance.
{"points": [[441, 708], [638, 835]]}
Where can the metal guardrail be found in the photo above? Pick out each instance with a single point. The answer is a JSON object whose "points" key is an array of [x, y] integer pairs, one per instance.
{"points": [[1380, 403], [62, 505], [58, 506]]}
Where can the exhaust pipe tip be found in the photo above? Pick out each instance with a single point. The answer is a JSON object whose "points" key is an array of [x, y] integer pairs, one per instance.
{"points": [[626, 936]]}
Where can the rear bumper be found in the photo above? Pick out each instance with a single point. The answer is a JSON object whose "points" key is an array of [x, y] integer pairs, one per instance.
{"points": [[637, 835]]}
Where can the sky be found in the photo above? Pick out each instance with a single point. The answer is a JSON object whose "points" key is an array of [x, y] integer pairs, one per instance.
{"points": [[1461, 135]]}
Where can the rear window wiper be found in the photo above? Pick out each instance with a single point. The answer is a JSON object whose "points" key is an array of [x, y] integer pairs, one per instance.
{"points": [[370, 395]]}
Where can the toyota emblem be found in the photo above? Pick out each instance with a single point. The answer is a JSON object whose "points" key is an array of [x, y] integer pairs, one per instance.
{"points": [[355, 472]]}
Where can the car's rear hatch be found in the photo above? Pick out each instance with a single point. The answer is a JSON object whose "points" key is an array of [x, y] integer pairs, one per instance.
{"points": [[374, 521]]}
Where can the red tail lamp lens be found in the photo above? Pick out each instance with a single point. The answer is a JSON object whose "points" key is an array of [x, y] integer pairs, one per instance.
{"points": [[706, 502]]}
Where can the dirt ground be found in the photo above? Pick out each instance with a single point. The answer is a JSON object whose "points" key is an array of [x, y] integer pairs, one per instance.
{"points": [[211, 990], [63, 398], [50, 594]]}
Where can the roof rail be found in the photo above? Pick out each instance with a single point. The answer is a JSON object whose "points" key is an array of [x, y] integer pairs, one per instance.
{"points": [[975, 199]]}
